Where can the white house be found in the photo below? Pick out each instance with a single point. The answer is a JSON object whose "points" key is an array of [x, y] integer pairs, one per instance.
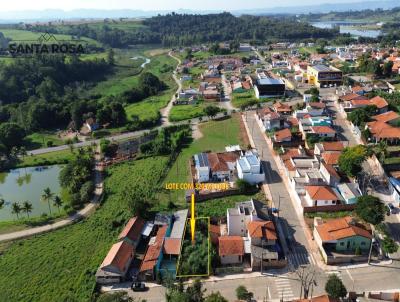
{"points": [[249, 168], [239, 217], [202, 167], [330, 174], [320, 196], [350, 192]]}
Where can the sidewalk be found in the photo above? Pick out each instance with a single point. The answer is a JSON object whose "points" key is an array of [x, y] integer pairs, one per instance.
{"points": [[85, 212]]}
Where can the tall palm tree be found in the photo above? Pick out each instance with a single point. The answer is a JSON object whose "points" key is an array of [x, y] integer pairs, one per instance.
{"points": [[382, 150], [16, 209], [57, 202], [47, 196], [27, 207]]}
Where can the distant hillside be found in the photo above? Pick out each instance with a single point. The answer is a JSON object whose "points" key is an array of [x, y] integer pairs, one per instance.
{"points": [[373, 15], [184, 29]]}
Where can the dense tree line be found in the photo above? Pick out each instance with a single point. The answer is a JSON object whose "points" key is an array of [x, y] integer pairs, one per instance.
{"points": [[76, 177], [186, 29]]}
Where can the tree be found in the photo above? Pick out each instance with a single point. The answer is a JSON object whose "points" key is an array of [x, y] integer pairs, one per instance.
{"points": [[11, 135], [243, 294], [47, 196], [351, 159], [381, 150], [215, 297], [387, 69], [2, 202], [16, 209], [335, 288], [211, 111], [27, 207], [243, 186], [389, 245], [195, 291], [110, 57], [370, 209], [57, 201], [362, 115]]}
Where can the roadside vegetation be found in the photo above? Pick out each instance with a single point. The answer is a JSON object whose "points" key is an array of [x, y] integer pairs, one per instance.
{"points": [[57, 266]]}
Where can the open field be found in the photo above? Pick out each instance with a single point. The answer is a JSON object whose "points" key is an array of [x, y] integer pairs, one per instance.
{"points": [[51, 158], [61, 266], [216, 135], [243, 98], [41, 139], [25, 35], [185, 112]]}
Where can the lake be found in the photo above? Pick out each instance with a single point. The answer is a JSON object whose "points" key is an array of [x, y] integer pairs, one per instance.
{"points": [[347, 27], [27, 184]]}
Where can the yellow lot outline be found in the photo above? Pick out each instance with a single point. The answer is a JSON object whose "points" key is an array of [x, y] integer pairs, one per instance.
{"points": [[208, 242]]}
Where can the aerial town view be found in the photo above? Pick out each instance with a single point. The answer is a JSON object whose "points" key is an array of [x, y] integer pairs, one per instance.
{"points": [[207, 151]]}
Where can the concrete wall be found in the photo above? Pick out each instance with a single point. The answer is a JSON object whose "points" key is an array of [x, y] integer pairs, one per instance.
{"points": [[231, 259], [354, 242]]}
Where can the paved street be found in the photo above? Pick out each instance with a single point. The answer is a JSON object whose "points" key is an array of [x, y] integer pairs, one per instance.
{"points": [[292, 226]]}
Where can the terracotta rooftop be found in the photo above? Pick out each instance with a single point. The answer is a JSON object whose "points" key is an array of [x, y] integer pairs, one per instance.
{"points": [[172, 246], [331, 157], [279, 107], [386, 117], [360, 102], [323, 298], [218, 161], [352, 96], [133, 229], [118, 255], [153, 250], [262, 229], [379, 102], [332, 146], [321, 193], [382, 130], [317, 105], [230, 245], [282, 134], [322, 129], [341, 228]]}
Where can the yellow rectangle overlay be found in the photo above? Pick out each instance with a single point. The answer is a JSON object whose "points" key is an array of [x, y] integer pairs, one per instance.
{"points": [[208, 257]]}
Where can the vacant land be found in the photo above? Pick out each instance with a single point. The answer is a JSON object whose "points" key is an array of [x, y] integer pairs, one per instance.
{"points": [[242, 99], [61, 266], [42, 139], [24, 35], [51, 158], [186, 112], [216, 135], [195, 258]]}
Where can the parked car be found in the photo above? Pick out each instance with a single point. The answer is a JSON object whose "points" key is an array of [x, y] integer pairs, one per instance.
{"points": [[391, 208], [138, 287]]}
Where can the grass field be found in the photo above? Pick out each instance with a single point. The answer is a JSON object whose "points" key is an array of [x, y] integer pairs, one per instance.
{"points": [[25, 35], [216, 135], [51, 158], [40, 139], [185, 112], [217, 207], [243, 98], [150, 107], [61, 266]]}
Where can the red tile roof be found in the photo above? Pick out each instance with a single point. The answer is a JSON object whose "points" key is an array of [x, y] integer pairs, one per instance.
{"points": [[262, 229], [279, 107], [321, 193], [218, 161], [118, 256], [331, 158], [386, 117], [323, 298], [379, 102], [172, 246], [317, 105], [332, 146], [153, 250], [322, 129], [230, 245], [133, 229], [352, 96], [341, 228], [282, 134]]}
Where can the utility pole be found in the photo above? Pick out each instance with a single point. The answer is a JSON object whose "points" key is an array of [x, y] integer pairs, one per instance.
{"points": [[370, 248]]}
